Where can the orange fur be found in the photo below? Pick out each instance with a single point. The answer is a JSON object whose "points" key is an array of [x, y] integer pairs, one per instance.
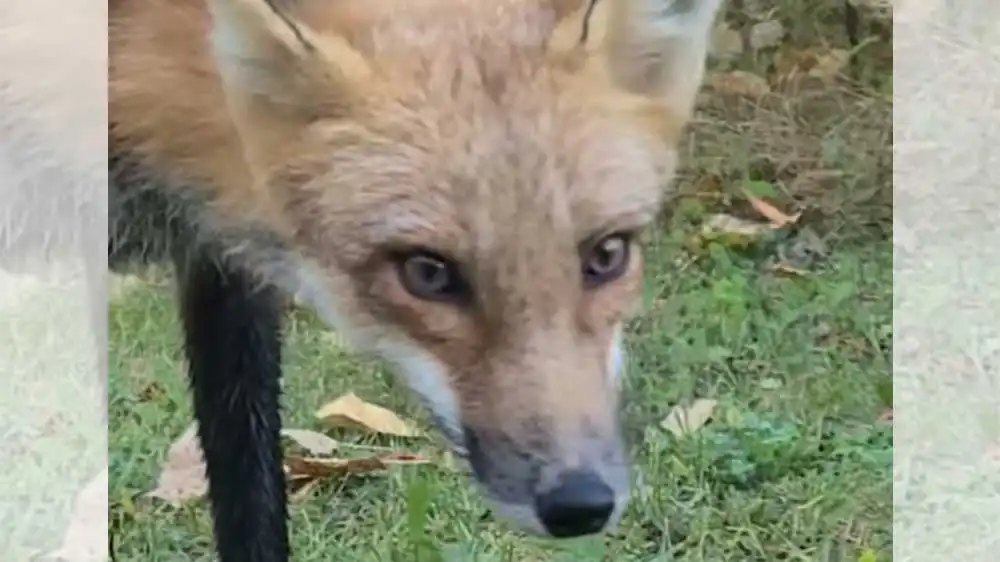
{"points": [[484, 131]]}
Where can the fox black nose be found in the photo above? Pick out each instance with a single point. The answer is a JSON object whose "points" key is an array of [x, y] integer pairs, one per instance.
{"points": [[580, 504]]}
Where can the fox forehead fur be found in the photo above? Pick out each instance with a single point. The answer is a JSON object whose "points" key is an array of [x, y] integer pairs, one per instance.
{"points": [[458, 128], [506, 136]]}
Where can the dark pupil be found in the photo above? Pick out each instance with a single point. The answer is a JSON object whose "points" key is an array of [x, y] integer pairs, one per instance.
{"points": [[606, 256], [431, 275]]}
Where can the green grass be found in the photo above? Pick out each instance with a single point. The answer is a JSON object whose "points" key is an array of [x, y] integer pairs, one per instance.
{"points": [[794, 467], [794, 464]]}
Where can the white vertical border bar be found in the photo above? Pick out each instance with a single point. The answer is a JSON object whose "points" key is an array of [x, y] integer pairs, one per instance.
{"points": [[947, 280], [53, 233]]}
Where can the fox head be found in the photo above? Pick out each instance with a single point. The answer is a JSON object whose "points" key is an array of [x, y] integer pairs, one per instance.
{"points": [[465, 185]]}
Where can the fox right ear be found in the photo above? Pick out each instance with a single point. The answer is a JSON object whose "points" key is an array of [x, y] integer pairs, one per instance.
{"points": [[278, 73], [655, 50]]}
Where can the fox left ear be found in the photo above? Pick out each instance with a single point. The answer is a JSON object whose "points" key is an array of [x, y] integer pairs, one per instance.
{"points": [[279, 74]]}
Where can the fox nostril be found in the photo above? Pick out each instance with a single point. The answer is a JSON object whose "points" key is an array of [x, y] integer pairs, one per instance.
{"points": [[580, 504]]}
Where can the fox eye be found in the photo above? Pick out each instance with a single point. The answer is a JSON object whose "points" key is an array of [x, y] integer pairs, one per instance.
{"points": [[607, 260], [428, 276]]}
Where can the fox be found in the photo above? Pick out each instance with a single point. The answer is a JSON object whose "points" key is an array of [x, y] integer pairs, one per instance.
{"points": [[460, 188]]}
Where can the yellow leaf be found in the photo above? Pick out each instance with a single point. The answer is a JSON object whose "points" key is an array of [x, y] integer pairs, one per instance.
{"points": [[349, 410], [312, 441], [183, 475], [684, 420], [739, 83], [777, 217]]}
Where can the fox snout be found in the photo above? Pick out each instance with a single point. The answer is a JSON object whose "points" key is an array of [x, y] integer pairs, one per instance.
{"points": [[540, 428], [551, 487]]}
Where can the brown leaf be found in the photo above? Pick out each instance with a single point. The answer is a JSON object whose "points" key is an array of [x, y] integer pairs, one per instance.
{"points": [[299, 489], [351, 411], [785, 269], [830, 63], [777, 217], [684, 420], [789, 62], [807, 69], [312, 441], [307, 468], [301, 470], [183, 475], [739, 83]]}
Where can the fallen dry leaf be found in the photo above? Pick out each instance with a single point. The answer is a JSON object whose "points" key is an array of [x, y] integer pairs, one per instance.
{"points": [[308, 468], [785, 269], [685, 420], [766, 34], [807, 69], [351, 411], [299, 490], [301, 470], [739, 83], [183, 475], [303, 474], [729, 231], [777, 217], [86, 537], [312, 441], [830, 63]]}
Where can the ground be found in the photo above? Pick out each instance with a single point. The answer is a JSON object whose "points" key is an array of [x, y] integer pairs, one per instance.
{"points": [[796, 461]]}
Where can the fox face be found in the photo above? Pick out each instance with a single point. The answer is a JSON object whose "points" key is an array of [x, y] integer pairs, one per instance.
{"points": [[465, 186]]}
